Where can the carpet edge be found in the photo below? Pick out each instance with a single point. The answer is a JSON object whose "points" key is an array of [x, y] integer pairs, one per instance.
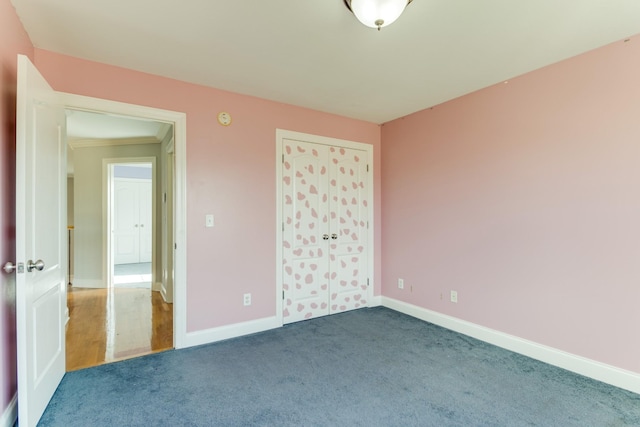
{"points": [[599, 371]]}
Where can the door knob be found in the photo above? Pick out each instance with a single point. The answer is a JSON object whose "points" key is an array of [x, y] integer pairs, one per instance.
{"points": [[9, 267], [325, 237], [38, 265], [334, 236]]}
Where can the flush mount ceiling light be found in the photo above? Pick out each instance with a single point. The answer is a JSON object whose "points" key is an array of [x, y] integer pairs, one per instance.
{"points": [[377, 13]]}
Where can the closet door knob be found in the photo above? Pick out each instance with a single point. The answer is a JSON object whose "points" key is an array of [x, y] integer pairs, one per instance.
{"points": [[325, 237], [334, 236]]}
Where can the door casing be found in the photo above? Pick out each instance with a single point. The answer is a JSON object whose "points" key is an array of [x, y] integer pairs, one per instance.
{"points": [[179, 121], [108, 207]]}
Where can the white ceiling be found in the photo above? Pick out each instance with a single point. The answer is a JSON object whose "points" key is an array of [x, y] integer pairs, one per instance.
{"points": [[84, 125], [315, 54]]}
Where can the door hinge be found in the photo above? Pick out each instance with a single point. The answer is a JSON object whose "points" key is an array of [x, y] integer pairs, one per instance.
{"points": [[165, 197], [283, 295], [367, 225], [283, 158], [175, 246], [367, 281], [367, 168], [283, 226]]}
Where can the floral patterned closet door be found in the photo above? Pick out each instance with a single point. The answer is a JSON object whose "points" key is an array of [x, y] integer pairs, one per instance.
{"points": [[325, 212]]}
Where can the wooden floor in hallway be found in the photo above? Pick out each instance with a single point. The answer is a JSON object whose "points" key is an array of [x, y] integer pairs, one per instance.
{"points": [[113, 324]]}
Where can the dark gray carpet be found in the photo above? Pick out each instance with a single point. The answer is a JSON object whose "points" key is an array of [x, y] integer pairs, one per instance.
{"points": [[369, 367]]}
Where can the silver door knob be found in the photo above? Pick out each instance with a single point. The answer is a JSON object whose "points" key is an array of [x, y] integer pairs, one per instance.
{"points": [[334, 236], [38, 265], [9, 267], [325, 237]]}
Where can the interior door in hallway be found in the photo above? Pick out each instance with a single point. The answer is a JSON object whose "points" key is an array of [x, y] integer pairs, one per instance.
{"points": [[132, 221], [325, 211]]}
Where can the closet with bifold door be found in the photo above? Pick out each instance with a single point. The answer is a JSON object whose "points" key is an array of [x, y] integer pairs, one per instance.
{"points": [[325, 211]]}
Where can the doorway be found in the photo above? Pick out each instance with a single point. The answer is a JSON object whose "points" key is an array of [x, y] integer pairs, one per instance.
{"points": [[116, 310], [130, 220]]}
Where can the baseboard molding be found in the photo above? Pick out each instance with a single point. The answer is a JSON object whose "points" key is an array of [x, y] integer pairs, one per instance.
{"points": [[10, 415], [156, 286], [165, 295], [376, 301], [89, 283], [231, 331], [589, 368]]}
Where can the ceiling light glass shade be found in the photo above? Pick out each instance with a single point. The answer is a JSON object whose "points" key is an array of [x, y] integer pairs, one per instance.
{"points": [[378, 13]]}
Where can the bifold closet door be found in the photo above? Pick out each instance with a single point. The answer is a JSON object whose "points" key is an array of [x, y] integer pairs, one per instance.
{"points": [[324, 230]]}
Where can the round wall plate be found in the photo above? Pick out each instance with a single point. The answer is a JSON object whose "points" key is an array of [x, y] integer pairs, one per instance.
{"points": [[224, 118]]}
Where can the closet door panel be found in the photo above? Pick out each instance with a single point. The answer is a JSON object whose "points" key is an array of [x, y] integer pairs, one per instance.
{"points": [[125, 222], [306, 221], [348, 224]]}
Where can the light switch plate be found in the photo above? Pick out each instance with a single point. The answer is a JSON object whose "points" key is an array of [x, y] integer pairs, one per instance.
{"points": [[208, 219]]}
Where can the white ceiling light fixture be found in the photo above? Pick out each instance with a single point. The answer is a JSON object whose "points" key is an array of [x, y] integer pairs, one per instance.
{"points": [[377, 13]]}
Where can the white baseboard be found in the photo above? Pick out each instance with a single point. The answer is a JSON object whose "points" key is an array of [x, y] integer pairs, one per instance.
{"points": [[376, 301], [10, 415], [156, 286], [231, 331], [589, 368], [165, 295], [89, 283]]}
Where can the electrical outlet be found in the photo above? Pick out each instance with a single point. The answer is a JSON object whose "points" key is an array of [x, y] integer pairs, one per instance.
{"points": [[454, 296], [400, 284], [247, 299]]}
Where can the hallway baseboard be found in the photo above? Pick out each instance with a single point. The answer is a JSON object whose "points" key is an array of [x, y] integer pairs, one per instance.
{"points": [[89, 283]]}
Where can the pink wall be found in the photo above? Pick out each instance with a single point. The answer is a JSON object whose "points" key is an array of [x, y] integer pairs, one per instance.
{"points": [[525, 198], [230, 173], [14, 41]]}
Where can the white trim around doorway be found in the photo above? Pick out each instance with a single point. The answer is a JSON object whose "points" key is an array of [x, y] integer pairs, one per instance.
{"points": [[107, 214], [179, 121]]}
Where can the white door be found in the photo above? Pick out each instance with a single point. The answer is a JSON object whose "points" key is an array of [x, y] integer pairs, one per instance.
{"points": [[132, 226], [305, 231], [325, 212], [40, 236], [348, 225], [126, 240]]}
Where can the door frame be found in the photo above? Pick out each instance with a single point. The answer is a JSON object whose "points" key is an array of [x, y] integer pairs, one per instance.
{"points": [[108, 205], [179, 122], [281, 135]]}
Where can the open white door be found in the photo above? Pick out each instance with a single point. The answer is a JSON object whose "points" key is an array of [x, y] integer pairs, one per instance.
{"points": [[40, 242]]}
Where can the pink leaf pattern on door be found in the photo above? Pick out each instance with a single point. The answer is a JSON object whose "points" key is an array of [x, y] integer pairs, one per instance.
{"points": [[323, 187], [304, 185], [347, 173]]}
